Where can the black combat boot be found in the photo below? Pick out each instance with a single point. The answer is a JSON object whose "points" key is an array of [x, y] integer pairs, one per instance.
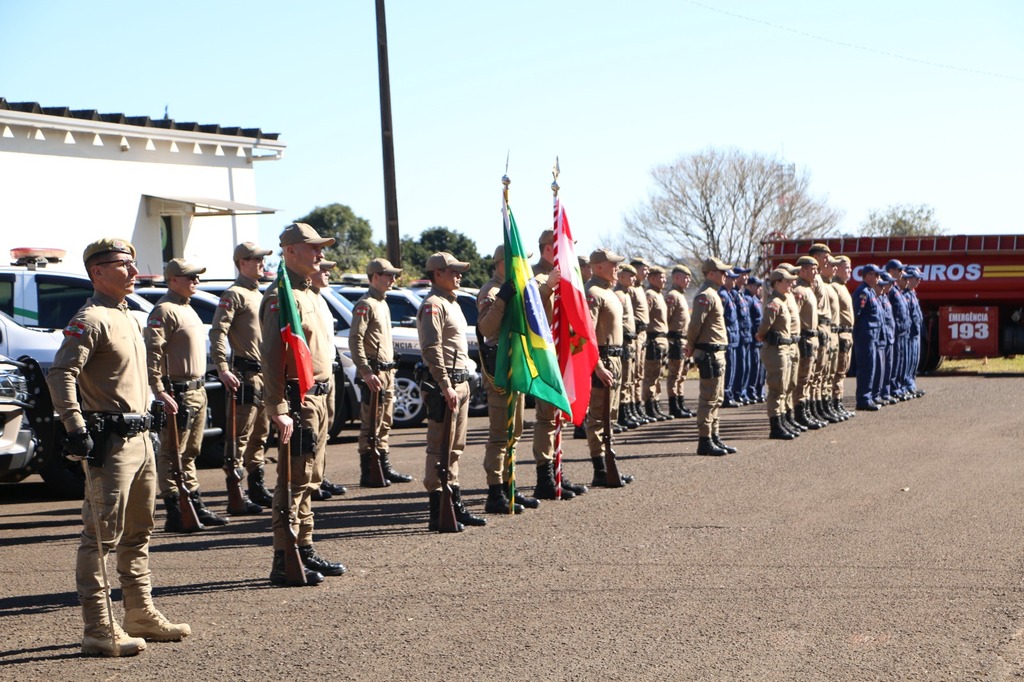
{"points": [[463, 515], [624, 419], [601, 475], [830, 405], [837, 403], [777, 432], [258, 492], [545, 489], [661, 413], [822, 412], [173, 522], [673, 407], [249, 508], [705, 446], [497, 501], [321, 495], [206, 517], [391, 474], [579, 433], [333, 488], [716, 439], [524, 500], [687, 412], [278, 576], [638, 415], [651, 413], [365, 465], [792, 423], [434, 514], [315, 562], [803, 418], [574, 489]]}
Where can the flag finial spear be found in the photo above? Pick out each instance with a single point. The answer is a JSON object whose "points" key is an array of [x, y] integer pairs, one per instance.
{"points": [[505, 181], [554, 172]]}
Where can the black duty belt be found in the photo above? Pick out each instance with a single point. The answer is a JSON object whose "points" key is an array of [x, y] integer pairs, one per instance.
{"points": [[839, 329], [808, 333], [382, 366], [628, 335], [640, 326], [246, 365], [675, 336], [787, 340], [610, 351], [710, 347], [125, 425], [190, 385], [457, 376], [655, 335], [319, 387]]}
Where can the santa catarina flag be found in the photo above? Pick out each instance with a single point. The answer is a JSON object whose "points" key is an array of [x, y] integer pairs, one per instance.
{"points": [[526, 352], [296, 348], [575, 339]]}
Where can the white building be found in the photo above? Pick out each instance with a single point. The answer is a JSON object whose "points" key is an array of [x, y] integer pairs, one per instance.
{"points": [[68, 177]]}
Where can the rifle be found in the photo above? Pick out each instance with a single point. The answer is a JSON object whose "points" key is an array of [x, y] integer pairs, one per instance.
{"points": [[294, 572], [446, 521], [375, 471], [612, 475], [189, 518], [235, 475]]}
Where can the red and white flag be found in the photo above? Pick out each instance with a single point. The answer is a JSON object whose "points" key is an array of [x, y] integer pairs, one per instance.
{"points": [[572, 328]]}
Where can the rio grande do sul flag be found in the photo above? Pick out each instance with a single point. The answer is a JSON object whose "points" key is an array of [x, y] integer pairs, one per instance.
{"points": [[296, 348], [526, 352], [575, 338]]}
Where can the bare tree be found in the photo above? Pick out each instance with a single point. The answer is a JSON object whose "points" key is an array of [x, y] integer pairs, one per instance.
{"points": [[902, 221], [722, 203]]}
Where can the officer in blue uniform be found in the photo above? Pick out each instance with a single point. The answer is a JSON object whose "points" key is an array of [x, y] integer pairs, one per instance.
{"points": [[911, 280], [732, 329], [741, 379], [867, 316], [901, 345], [881, 384], [755, 385]]}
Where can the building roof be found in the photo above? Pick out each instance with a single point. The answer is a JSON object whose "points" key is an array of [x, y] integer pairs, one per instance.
{"points": [[141, 121]]}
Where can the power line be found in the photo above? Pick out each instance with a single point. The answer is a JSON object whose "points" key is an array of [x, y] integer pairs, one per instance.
{"points": [[855, 46]]}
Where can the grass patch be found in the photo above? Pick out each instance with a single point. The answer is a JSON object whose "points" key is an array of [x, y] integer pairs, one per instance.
{"points": [[1003, 365]]}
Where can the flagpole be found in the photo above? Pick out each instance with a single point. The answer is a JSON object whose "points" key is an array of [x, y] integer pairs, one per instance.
{"points": [[513, 396], [555, 333]]}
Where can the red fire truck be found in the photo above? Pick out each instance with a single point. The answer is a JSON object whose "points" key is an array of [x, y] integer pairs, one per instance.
{"points": [[972, 293]]}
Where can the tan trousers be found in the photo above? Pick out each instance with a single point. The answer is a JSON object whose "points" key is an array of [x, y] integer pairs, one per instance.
{"points": [[712, 391], [497, 431], [455, 446], [676, 375], [544, 432], [777, 366], [124, 489], [251, 428], [629, 370], [596, 425], [790, 376], [805, 371], [639, 360], [190, 442], [306, 475], [652, 371], [842, 364], [385, 415]]}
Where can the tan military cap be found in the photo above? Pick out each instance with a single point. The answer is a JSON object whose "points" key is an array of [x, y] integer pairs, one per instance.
{"points": [[382, 266], [301, 233], [835, 261], [656, 270], [178, 267], [819, 248], [712, 264], [843, 259], [582, 260], [442, 260], [626, 267], [546, 237], [779, 274], [499, 253], [789, 267], [679, 267], [639, 262], [249, 250], [326, 265], [107, 245], [605, 256], [805, 260]]}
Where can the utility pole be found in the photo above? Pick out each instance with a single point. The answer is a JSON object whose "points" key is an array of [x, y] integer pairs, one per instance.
{"points": [[394, 245]]}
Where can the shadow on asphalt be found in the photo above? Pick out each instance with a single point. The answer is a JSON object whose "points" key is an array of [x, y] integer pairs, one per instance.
{"points": [[69, 651]]}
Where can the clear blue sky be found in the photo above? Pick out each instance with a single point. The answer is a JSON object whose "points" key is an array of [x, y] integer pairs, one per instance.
{"points": [[882, 102]]}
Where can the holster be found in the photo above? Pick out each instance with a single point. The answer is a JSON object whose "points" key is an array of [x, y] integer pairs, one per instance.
{"points": [[156, 409], [806, 349], [184, 417], [489, 358], [250, 395], [845, 345], [708, 367], [303, 439], [675, 349], [433, 400], [364, 390], [100, 433]]}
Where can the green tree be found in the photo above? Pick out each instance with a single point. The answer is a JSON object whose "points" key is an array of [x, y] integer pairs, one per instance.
{"points": [[900, 220], [354, 246], [723, 203], [433, 239]]}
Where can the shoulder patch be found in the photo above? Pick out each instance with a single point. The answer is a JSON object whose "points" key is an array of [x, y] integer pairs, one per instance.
{"points": [[155, 323], [75, 329], [591, 300], [361, 309], [701, 299], [431, 309], [773, 306], [225, 302], [274, 306]]}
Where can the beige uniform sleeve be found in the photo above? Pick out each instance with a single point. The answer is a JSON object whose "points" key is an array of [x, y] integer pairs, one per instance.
{"points": [[80, 338], [272, 357], [155, 336], [222, 318], [430, 321]]}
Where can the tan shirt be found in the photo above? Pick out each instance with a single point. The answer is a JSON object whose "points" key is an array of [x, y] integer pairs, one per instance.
{"points": [[641, 313], [807, 304], [794, 314], [845, 303], [605, 311], [678, 311], [442, 330], [707, 321], [628, 320], [101, 364], [833, 304], [237, 322], [775, 316], [823, 304], [491, 310], [657, 312], [541, 271], [370, 335], [278, 365], [175, 332]]}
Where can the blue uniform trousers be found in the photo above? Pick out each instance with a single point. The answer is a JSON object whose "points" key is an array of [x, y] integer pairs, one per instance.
{"points": [[865, 347]]}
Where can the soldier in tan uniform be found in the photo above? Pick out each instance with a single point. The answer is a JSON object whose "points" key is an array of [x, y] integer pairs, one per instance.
{"points": [[828, 335], [657, 344], [706, 341], [319, 281], [301, 421], [845, 345], [789, 421], [626, 275], [548, 277], [373, 352], [807, 303], [236, 323], [678, 311], [606, 312], [176, 344], [490, 302], [774, 333], [641, 317], [442, 333], [98, 386]]}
